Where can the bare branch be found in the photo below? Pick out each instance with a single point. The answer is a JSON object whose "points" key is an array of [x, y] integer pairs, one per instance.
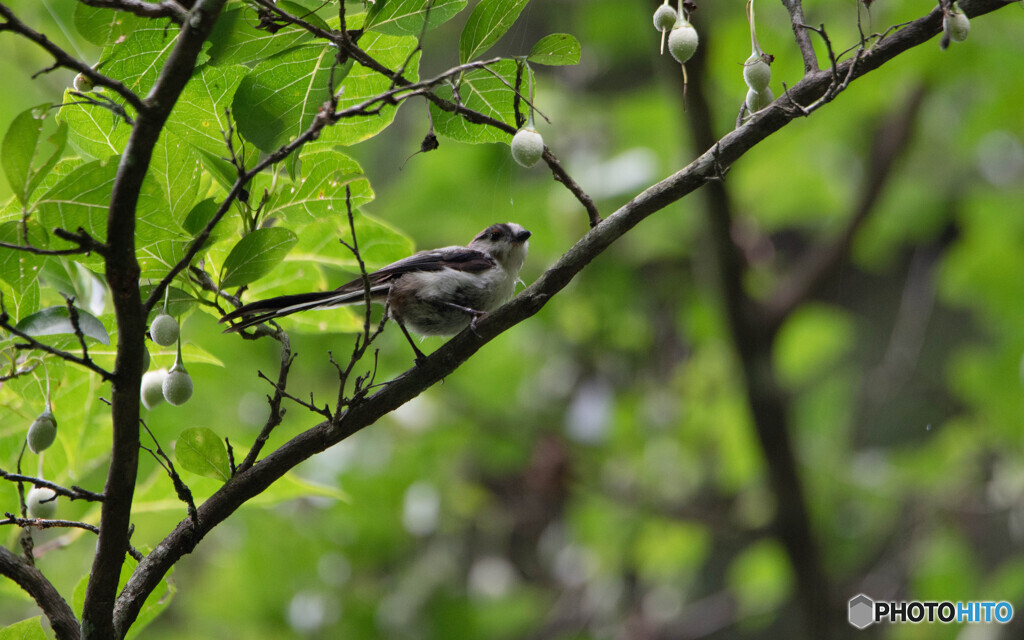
{"points": [[73, 493], [276, 412], [64, 59], [33, 582]]}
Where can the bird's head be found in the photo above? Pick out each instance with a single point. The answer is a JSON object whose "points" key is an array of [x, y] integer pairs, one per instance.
{"points": [[506, 242]]}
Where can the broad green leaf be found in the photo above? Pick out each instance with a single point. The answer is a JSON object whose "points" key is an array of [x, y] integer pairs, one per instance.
{"points": [[202, 451], [18, 268], [176, 168], [279, 98], [379, 244], [30, 629], [556, 49], [93, 131], [481, 91], [488, 22], [103, 26], [57, 320], [138, 57], [405, 17], [20, 301], [236, 40], [199, 116], [256, 255], [82, 199], [20, 145], [363, 83], [200, 216], [321, 191]]}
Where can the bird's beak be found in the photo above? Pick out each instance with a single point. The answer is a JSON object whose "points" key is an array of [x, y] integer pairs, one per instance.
{"points": [[523, 236]]}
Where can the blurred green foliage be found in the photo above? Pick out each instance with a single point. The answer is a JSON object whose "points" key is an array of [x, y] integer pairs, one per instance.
{"points": [[595, 468]]}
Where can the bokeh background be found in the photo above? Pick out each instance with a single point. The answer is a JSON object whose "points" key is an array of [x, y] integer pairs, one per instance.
{"points": [[594, 472]]}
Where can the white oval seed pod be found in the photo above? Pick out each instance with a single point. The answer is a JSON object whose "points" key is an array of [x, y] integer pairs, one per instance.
{"points": [[164, 330], [82, 83], [957, 25], [682, 41], [757, 73], [527, 147], [177, 387], [41, 503], [757, 100], [152, 391], [665, 18]]}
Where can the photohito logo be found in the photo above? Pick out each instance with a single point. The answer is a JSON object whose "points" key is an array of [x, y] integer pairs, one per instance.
{"points": [[865, 612]]}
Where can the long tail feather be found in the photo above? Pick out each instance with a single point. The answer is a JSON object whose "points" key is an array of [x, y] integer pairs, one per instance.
{"points": [[263, 310]]}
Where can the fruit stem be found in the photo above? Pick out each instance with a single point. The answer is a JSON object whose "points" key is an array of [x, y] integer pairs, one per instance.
{"points": [[754, 45]]}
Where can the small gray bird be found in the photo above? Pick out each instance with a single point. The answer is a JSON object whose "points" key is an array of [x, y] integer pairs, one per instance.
{"points": [[438, 292]]}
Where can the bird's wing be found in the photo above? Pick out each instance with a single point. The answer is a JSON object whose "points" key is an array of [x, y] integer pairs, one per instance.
{"points": [[456, 258]]}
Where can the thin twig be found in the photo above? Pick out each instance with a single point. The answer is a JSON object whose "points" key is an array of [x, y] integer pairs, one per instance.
{"points": [[72, 493], [180, 488], [33, 344], [46, 523]]}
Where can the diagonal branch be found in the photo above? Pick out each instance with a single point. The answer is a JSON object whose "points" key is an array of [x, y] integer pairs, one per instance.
{"points": [[32, 580], [64, 59], [708, 167]]}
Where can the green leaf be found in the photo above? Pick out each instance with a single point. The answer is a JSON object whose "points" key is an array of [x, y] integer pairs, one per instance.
{"points": [[481, 91], [236, 40], [103, 26], [256, 255], [202, 451], [363, 83], [488, 22], [20, 301], [405, 17], [95, 132], [199, 116], [556, 49], [200, 216], [18, 268], [321, 192], [20, 145], [176, 168], [279, 98], [137, 57], [81, 199], [30, 629], [57, 320]]}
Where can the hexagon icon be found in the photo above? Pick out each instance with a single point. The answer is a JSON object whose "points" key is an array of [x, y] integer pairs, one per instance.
{"points": [[862, 610]]}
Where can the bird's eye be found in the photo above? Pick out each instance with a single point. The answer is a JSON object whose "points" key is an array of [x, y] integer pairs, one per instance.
{"points": [[494, 236]]}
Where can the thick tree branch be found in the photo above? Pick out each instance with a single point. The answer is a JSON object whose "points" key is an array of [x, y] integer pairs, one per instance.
{"points": [[122, 275], [32, 580], [452, 354], [64, 59]]}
